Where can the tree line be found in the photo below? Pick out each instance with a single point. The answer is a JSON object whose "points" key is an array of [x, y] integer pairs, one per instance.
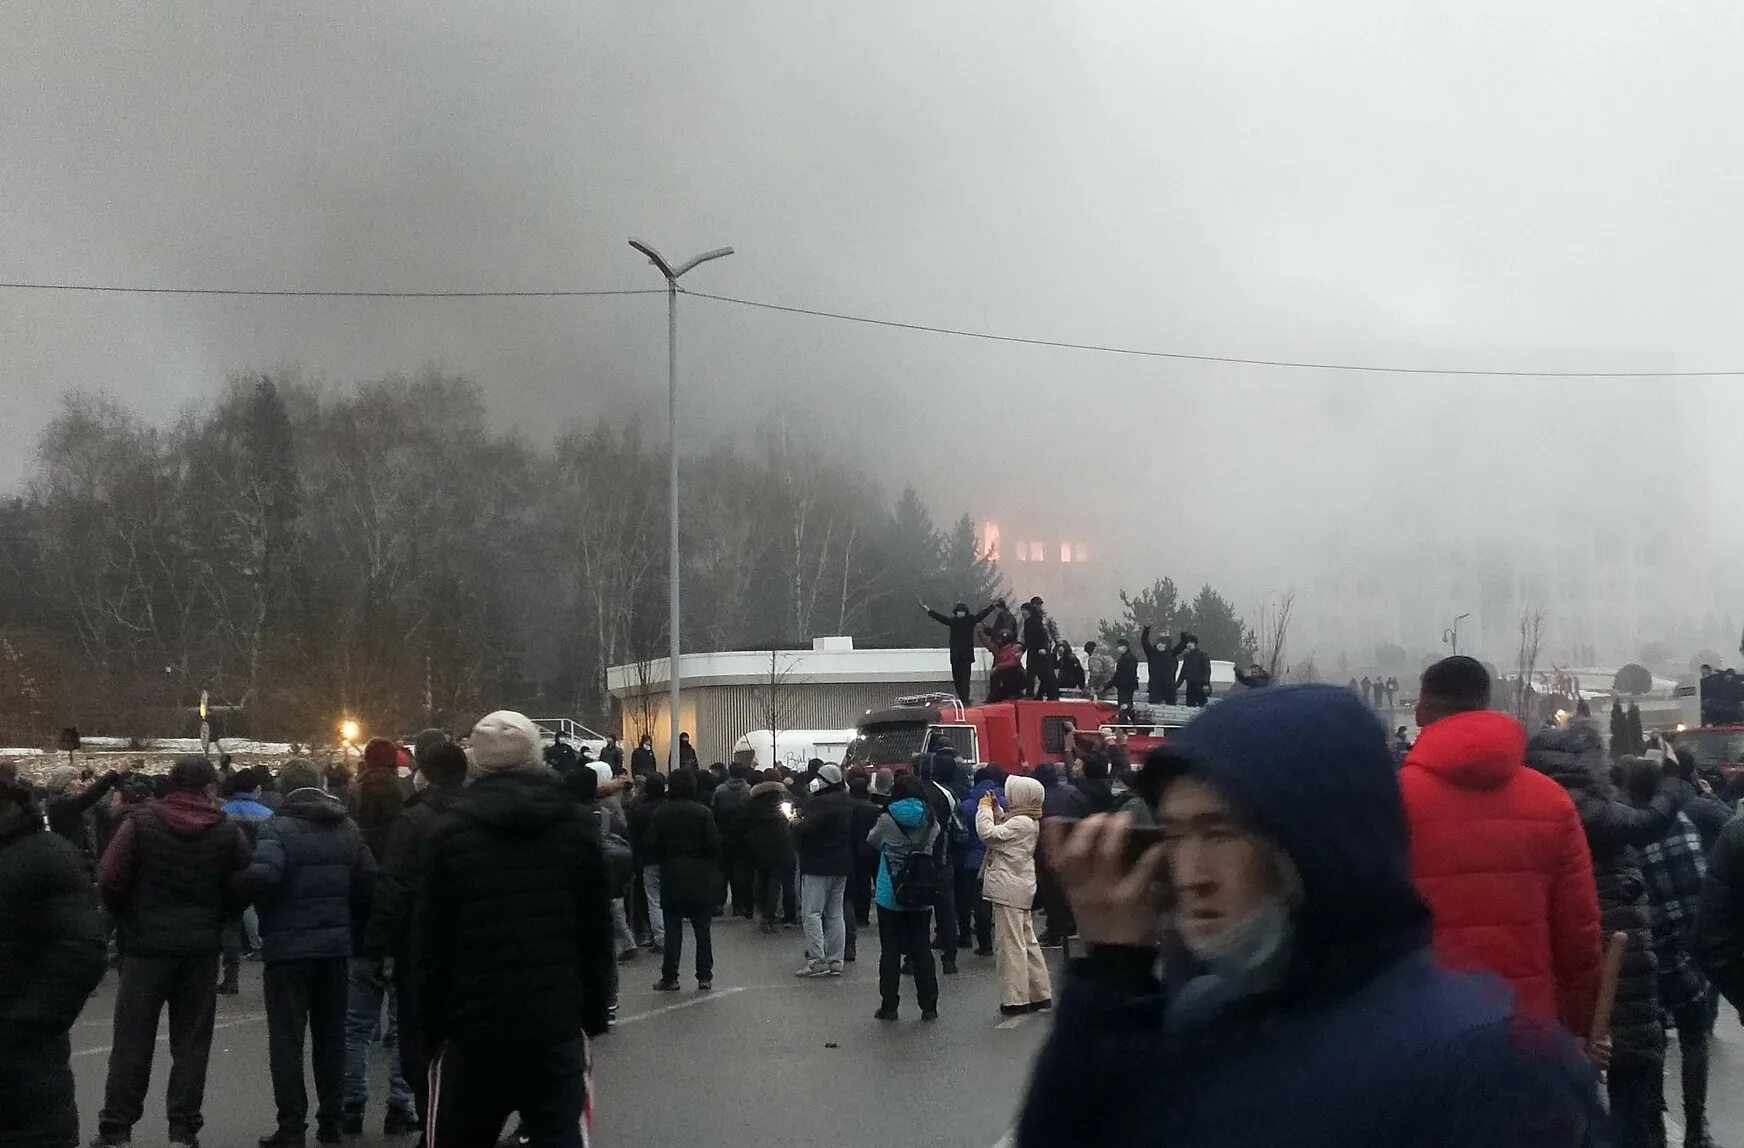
{"points": [[381, 551]]}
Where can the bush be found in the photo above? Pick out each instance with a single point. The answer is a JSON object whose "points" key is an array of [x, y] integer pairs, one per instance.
{"points": [[1633, 679]]}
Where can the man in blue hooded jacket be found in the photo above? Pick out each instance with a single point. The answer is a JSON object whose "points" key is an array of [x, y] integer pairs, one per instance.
{"points": [[1301, 1004]]}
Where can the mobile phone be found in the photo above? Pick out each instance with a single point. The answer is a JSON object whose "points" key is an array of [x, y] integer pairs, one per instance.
{"points": [[1139, 838]]}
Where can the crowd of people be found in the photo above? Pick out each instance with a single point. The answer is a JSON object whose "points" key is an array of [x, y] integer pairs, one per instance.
{"points": [[1031, 660], [1376, 692], [1269, 905]]}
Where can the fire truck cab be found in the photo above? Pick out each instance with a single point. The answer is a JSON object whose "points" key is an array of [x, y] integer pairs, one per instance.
{"points": [[1016, 735]]}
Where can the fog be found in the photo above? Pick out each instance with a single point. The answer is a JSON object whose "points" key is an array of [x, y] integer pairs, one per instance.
{"points": [[1472, 187]]}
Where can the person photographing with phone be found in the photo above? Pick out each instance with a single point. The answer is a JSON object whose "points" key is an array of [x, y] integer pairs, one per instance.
{"points": [[1261, 973]]}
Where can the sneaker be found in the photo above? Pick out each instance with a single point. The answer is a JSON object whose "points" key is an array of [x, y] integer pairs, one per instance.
{"points": [[283, 1138], [833, 971], [884, 1014], [184, 1140], [950, 969], [327, 1134], [1041, 1006], [665, 986], [627, 956], [704, 986], [352, 1123], [849, 958], [399, 1121], [112, 1140], [766, 928], [1052, 942], [228, 986], [929, 1015], [1013, 1009], [812, 969], [984, 952]]}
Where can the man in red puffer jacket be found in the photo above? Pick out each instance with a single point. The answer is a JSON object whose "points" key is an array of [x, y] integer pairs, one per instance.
{"points": [[1498, 854]]}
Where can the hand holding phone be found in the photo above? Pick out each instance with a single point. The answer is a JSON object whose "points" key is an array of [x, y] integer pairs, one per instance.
{"points": [[1115, 875]]}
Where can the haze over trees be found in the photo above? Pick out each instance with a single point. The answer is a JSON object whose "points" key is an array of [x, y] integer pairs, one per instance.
{"points": [[382, 550]]}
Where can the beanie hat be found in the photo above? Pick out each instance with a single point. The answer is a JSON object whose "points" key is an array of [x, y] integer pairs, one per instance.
{"points": [[601, 770], [830, 774], [505, 740], [426, 742], [380, 753]]}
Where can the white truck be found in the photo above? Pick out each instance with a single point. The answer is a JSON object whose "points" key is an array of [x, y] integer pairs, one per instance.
{"points": [[791, 747]]}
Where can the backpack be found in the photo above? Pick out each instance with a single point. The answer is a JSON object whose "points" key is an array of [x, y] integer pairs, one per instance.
{"points": [[915, 884], [620, 862]]}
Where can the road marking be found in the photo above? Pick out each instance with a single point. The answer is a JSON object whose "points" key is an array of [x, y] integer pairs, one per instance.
{"points": [[253, 1018], [701, 998], [1013, 1022]]}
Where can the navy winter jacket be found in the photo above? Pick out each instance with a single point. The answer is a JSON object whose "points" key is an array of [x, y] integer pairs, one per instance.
{"points": [[973, 850], [311, 879], [1365, 1042]]}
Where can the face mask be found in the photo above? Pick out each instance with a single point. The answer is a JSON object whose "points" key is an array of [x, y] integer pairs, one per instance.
{"points": [[1250, 957]]}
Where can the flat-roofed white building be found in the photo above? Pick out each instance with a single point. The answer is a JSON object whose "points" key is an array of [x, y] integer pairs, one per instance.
{"points": [[726, 695]]}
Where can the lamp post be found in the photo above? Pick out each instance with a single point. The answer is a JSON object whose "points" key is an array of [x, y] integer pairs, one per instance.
{"points": [[1451, 636], [672, 278]]}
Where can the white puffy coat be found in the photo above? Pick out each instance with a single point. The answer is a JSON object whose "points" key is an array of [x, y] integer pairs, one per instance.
{"points": [[1008, 877]]}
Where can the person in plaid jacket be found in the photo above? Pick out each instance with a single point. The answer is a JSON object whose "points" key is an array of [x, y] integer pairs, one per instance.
{"points": [[1674, 868]]}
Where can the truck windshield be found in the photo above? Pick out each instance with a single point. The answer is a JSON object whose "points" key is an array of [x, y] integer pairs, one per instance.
{"points": [[895, 743], [1712, 747]]}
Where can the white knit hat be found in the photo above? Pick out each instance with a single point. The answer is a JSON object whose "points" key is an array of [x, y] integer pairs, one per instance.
{"points": [[601, 770], [504, 740]]}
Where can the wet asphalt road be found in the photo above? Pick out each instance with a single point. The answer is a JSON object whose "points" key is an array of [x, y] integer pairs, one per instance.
{"points": [[749, 1064], [744, 1066]]}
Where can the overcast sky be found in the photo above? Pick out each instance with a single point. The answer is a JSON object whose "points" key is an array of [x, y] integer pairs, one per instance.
{"points": [[1481, 184]]}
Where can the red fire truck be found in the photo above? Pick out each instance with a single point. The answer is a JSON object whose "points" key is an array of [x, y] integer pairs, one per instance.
{"points": [[1017, 735]]}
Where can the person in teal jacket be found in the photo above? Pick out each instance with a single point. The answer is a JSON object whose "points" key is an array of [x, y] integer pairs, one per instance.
{"points": [[906, 827]]}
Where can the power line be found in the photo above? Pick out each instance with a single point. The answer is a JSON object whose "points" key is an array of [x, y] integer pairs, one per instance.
{"points": [[1107, 349], [115, 290], [867, 320]]}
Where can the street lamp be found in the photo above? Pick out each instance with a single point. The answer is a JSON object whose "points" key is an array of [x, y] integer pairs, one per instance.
{"points": [[1451, 637], [672, 278]]}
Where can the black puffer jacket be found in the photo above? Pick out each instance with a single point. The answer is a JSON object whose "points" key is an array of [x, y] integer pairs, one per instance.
{"points": [[402, 868], [1719, 934], [770, 841], [512, 934], [311, 878], [824, 834], [167, 873], [1574, 757], [51, 957], [379, 802], [683, 841], [640, 817]]}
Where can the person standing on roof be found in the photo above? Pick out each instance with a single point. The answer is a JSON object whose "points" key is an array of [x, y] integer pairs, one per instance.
{"points": [[962, 626], [1006, 680], [1125, 681], [1068, 670], [1039, 636], [1098, 670], [1165, 663], [1195, 671]]}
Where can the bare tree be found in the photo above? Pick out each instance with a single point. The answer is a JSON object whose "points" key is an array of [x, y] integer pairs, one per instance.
{"points": [[1273, 632], [774, 698], [1531, 635]]}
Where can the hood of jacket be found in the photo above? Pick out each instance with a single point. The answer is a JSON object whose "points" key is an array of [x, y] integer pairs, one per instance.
{"points": [[732, 787], [1025, 795], [17, 821], [1308, 768], [981, 788], [187, 814], [1480, 749], [908, 813], [516, 801], [312, 805], [1573, 756], [765, 788], [436, 798]]}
